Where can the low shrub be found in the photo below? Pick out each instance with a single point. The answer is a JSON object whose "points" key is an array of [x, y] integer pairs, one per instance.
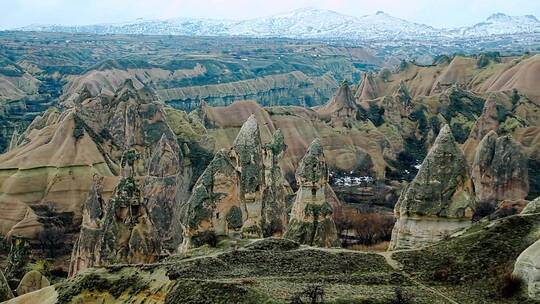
{"points": [[510, 285], [204, 238]]}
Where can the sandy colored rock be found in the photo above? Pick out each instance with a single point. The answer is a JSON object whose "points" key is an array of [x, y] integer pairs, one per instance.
{"points": [[241, 191], [527, 267], [32, 281], [514, 73], [487, 122], [346, 149], [499, 170], [311, 219], [47, 295], [247, 150], [267, 90], [440, 199]]}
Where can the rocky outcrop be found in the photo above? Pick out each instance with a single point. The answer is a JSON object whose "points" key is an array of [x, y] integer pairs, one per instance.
{"points": [[247, 151], [440, 199], [532, 207], [312, 220], [527, 267], [5, 290], [499, 170], [116, 231], [241, 191], [341, 109], [488, 121], [132, 216], [57, 157], [277, 191], [32, 281]]}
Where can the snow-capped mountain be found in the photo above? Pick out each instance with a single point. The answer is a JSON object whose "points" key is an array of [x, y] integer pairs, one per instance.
{"points": [[307, 23], [500, 24], [315, 23]]}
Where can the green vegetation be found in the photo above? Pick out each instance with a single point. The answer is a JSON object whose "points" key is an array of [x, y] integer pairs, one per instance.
{"points": [[78, 130], [129, 157], [17, 258], [485, 58], [502, 113], [205, 238], [515, 97], [273, 244], [403, 65], [280, 271], [474, 267], [316, 210], [414, 152], [419, 115], [482, 62], [277, 270], [94, 281], [200, 291]]}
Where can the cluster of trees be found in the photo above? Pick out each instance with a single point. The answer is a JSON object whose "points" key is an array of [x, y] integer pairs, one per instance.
{"points": [[366, 229]]}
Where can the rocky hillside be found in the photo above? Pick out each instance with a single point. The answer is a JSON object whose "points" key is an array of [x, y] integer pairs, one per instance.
{"points": [[124, 178], [374, 135], [100, 153]]}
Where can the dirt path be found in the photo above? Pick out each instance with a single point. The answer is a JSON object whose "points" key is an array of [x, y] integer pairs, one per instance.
{"points": [[398, 267]]}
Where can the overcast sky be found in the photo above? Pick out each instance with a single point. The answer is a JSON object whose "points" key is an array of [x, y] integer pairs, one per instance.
{"points": [[441, 13]]}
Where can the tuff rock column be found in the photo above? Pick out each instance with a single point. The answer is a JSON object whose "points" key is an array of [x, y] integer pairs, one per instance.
{"points": [[311, 216]]}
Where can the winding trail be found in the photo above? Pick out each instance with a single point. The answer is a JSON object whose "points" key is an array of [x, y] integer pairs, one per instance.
{"points": [[398, 267]]}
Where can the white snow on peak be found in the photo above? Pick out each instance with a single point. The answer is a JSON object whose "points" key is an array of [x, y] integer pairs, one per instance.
{"points": [[308, 23]]}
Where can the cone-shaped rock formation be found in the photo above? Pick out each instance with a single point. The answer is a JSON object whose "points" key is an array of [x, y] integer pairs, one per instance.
{"points": [[311, 220], [341, 109], [440, 199]]}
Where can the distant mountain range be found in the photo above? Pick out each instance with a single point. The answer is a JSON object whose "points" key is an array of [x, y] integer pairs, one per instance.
{"points": [[308, 23]]}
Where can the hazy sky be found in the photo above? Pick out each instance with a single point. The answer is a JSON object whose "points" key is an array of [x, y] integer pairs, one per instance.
{"points": [[442, 13]]}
